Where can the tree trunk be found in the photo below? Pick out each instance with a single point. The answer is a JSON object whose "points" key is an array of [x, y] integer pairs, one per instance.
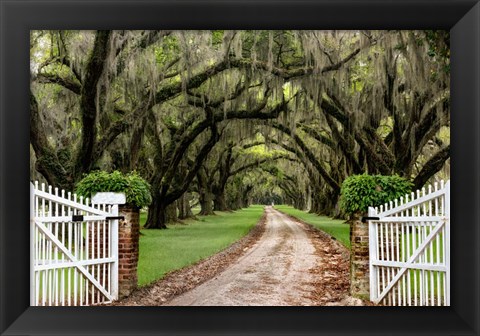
{"points": [[172, 213], [219, 202], [88, 108], [301, 204], [235, 203], [315, 207], [47, 163], [157, 215], [184, 209], [206, 203], [246, 197], [328, 203]]}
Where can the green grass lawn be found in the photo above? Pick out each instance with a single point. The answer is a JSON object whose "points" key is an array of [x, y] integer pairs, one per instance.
{"points": [[334, 227], [162, 251]]}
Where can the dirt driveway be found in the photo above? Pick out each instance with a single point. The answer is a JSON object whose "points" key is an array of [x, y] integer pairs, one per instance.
{"points": [[281, 262], [276, 271]]}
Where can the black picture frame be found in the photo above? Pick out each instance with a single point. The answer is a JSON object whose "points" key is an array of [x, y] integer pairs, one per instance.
{"points": [[17, 17]]}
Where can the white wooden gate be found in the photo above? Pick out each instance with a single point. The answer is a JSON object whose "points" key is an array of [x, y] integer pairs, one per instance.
{"points": [[410, 249], [73, 249]]}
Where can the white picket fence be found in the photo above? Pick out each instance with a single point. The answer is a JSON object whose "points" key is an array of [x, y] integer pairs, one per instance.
{"points": [[410, 249], [73, 249]]}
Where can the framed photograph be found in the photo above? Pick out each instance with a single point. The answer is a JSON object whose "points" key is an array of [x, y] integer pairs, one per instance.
{"points": [[26, 29]]}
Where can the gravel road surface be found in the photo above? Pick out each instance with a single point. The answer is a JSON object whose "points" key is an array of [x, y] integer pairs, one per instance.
{"points": [[274, 272]]}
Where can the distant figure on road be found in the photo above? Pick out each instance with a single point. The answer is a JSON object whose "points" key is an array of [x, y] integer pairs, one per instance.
{"points": [[273, 204]]}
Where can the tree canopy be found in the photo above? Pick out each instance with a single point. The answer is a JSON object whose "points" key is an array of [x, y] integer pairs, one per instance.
{"points": [[224, 118]]}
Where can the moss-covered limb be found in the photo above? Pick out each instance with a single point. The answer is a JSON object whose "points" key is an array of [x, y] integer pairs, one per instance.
{"points": [[109, 136], [189, 137], [88, 109], [431, 167], [317, 136], [333, 109], [38, 139], [47, 163], [71, 84], [218, 187], [289, 185], [375, 162], [256, 163], [202, 100], [200, 158], [303, 160], [171, 90], [432, 121], [156, 138], [291, 73], [366, 137], [375, 141], [346, 143], [136, 141], [167, 188], [151, 37], [60, 58], [64, 56], [308, 153]]}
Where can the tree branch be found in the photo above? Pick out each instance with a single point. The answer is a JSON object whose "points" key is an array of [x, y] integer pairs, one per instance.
{"points": [[431, 167], [67, 83], [88, 108]]}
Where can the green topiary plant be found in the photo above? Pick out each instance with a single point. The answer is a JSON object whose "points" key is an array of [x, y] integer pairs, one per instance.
{"points": [[359, 192], [136, 189]]}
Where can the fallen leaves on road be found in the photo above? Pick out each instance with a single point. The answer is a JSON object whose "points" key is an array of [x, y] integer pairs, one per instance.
{"points": [[185, 279]]}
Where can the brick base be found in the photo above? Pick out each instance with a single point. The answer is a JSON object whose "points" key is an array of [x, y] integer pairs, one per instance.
{"points": [[359, 260], [128, 237]]}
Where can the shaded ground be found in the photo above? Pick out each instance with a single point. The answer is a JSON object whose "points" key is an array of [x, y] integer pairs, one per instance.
{"points": [[282, 262]]}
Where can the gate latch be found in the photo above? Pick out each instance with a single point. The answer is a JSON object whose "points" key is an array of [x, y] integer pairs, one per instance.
{"points": [[365, 219], [77, 218], [115, 217]]}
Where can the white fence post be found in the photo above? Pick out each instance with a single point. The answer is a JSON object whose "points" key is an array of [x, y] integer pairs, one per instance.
{"points": [[32, 245], [372, 254], [114, 252], [447, 241]]}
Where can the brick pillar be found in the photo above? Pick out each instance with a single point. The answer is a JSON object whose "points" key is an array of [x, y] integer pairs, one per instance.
{"points": [[128, 236], [359, 260]]}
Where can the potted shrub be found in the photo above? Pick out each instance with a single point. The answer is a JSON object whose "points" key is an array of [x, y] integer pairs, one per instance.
{"points": [[135, 188]]}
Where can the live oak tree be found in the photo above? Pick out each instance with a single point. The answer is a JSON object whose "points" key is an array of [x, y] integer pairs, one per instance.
{"points": [[180, 107]]}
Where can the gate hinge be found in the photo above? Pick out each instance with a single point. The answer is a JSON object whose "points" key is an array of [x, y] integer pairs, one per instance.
{"points": [[365, 219]]}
